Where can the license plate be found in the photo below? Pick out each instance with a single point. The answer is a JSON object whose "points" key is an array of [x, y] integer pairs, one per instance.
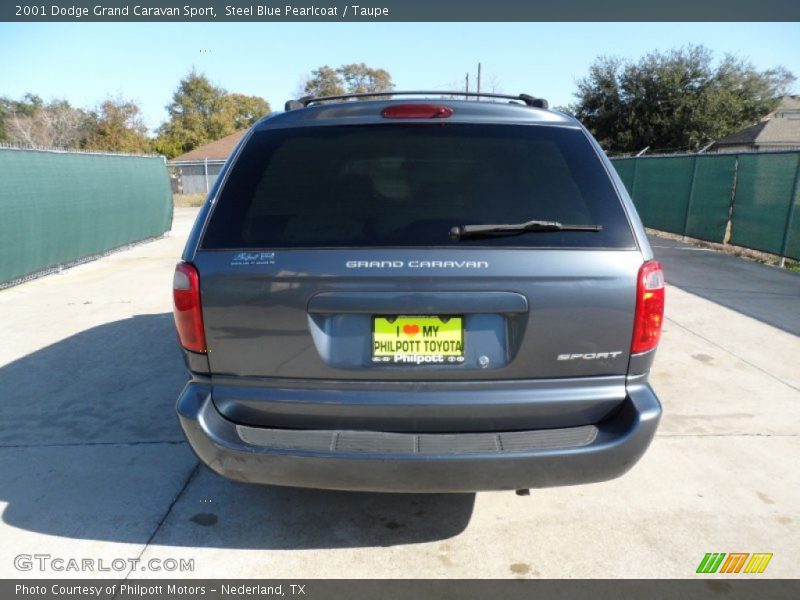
{"points": [[418, 340]]}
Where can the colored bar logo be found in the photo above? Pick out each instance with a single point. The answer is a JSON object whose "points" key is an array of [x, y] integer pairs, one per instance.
{"points": [[734, 562]]}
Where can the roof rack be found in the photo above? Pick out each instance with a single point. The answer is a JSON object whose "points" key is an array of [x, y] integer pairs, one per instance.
{"points": [[307, 100]]}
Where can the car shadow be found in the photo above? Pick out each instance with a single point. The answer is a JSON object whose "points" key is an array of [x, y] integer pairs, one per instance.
{"points": [[214, 512], [90, 448]]}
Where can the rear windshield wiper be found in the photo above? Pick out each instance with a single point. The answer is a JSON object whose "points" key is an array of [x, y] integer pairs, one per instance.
{"points": [[461, 232]]}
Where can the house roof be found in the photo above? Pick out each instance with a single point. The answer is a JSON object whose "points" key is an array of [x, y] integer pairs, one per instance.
{"points": [[779, 128], [783, 131], [748, 135], [217, 150], [789, 103]]}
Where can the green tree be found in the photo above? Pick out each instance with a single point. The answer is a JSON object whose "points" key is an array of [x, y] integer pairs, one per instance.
{"points": [[243, 110], [201, 112], [356, 78], [676, 100], [11, 109], [118, 127], [324, 81], [5, 104], [31, 121], [360, 79]]}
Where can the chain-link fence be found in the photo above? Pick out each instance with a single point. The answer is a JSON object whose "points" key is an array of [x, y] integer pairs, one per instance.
{"points": [[58, 207], [193, 176], [747, 199]]}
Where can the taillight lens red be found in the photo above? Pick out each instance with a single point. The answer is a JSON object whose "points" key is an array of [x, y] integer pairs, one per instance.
{"points": [[186, 307], [416, 111], [649, 307]]}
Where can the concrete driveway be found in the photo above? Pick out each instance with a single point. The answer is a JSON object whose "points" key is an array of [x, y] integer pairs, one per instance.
{"points": [[768, 294], [93, 463]]}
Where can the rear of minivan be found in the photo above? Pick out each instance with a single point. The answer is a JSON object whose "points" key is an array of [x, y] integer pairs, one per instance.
{"points": [[359, 309]]}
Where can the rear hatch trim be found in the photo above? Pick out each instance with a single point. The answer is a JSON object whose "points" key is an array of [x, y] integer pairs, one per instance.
{"points": [[454, 406]]}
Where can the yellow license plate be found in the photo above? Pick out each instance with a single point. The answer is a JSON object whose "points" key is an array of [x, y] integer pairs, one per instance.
{"points": [[418, 340]]}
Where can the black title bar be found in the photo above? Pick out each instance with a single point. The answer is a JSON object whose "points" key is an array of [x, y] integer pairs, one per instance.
{"points": [[729, 588], [397, 10]]}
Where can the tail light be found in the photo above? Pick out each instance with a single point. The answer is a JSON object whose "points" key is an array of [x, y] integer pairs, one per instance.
{"points": [[186, 307], [649, 307], [417, 111]]}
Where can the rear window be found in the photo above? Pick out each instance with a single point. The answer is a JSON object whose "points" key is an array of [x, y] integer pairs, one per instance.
{"points": [[408, 185]]}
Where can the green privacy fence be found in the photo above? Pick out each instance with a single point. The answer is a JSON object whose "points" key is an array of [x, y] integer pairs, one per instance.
{"points": [[745, 199], [57, 208]]}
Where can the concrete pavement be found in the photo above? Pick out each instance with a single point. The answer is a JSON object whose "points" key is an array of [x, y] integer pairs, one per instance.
{"points": [[769, 294], [93, 463]]}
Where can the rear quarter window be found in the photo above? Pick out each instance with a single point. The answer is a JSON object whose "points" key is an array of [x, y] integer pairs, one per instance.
{"points": [[408, 185]]}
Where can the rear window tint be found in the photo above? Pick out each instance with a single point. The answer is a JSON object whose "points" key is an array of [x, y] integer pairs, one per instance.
{"points": [[408, 185]]}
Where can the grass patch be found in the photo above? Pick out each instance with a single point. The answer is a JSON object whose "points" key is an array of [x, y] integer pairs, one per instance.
{"points": [[183, 200]]}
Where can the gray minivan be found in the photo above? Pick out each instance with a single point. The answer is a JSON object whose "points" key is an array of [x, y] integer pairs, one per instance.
{"points": [[418, 294]]}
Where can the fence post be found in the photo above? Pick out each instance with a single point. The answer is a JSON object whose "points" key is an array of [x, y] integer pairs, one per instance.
{"points": [[790, 214], [728, 235], [691, 195], [205, 172], [633, 179]]}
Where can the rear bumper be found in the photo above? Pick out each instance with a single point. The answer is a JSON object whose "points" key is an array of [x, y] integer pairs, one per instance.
{"points": [[424, 462]]}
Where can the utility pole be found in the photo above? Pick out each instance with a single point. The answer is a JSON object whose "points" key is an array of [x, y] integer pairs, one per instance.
{"points": [[466, 86], [479, 80]]}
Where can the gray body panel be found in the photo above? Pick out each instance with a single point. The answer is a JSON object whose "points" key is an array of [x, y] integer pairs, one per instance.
{"points": [[289, 353], [261, 320]]}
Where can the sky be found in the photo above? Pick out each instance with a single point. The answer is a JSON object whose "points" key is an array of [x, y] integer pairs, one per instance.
{"points": [[88, 62]]}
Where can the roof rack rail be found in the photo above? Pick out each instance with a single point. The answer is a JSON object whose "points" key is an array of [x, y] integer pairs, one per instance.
{"points": [[526, 98]]}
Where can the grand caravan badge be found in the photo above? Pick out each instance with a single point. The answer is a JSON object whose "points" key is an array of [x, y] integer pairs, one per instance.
{"points": [[417, 264]]}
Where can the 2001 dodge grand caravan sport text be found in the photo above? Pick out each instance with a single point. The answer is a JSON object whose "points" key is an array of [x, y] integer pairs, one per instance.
{"points": [[418, 295]]}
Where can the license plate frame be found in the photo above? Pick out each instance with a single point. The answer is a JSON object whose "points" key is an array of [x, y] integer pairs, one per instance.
{"points": [[417, 340]]}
